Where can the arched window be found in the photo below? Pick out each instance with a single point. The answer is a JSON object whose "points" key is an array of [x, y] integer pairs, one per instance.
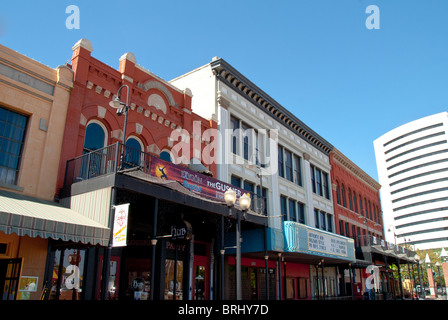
{"points": [[338, 196], [350, 199], [343, 196], [95, 137], [133, 152], [165, 155], [354, 201]]}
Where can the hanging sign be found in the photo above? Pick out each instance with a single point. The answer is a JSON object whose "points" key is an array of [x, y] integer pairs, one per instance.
{"points": [[181, 231], [120, 225]]}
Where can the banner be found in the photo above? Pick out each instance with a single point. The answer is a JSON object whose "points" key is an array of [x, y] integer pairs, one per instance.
{"points": [[120, 225], [203, 185]]}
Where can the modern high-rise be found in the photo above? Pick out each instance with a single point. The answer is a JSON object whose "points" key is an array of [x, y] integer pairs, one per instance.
{"points": [[412, 163]]}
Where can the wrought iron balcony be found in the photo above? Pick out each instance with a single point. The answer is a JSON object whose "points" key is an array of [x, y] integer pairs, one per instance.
{"points": [[120, 158]]}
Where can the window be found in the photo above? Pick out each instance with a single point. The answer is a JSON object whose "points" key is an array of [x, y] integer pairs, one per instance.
{"points": [[298, 169], [249, 186], [313, 179], [235, 181], [338, 195], [323, 221], [165, 155], [320, 183], [326, 185], [283, 208], [95, 137], [12, 133], [281, 169], [133, 152], [360, 205], [343, 196], [341, 227], [366, 207], [292, 210], [350, 203], [235, 125], [316, 218], [329, 223], [301, 212], [288, 165], [247, 141], [354, 202]]}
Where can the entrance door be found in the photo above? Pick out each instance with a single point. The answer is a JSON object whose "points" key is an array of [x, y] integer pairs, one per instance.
{"points": [[10, 270], [200, 278]]}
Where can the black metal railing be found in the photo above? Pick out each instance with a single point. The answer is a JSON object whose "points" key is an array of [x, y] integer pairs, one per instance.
{"points": [[117, 157], [106, 160]]}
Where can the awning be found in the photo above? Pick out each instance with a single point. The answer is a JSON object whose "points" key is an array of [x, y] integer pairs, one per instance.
{"points": [[24, 215]]}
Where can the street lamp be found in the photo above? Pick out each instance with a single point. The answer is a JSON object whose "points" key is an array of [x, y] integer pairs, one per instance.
{"points": [[122, 108], [244, 202]]}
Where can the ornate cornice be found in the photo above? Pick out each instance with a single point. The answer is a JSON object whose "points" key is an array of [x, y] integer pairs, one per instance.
{"points": [[243, 86], [345, 162]]}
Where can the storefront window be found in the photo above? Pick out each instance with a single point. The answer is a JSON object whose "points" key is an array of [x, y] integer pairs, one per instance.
{"points": [[199, 283], [170, 280], [139, 278], [68, 272]]}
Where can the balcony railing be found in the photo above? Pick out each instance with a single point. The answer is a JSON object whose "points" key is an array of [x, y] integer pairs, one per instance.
{"points": [[118, 157], [105, 161]]}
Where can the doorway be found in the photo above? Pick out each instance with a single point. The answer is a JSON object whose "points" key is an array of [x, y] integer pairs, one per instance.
{"points": [[201, 278], [10, 270]]}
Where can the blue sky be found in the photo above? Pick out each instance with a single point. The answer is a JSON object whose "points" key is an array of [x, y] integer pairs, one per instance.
{"points": [[316, 58]]}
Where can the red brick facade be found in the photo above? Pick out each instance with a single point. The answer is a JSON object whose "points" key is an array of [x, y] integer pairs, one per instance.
{"points": [[352, 190], [157, 107]]}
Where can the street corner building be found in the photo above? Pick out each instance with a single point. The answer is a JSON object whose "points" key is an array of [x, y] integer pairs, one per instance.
{"points": [[33, 107]]}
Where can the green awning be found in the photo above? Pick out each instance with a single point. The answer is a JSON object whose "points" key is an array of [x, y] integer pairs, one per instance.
{"points": [[24, 215]]}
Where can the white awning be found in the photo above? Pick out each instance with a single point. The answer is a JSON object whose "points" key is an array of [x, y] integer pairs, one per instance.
{"points": [[24, 215]]}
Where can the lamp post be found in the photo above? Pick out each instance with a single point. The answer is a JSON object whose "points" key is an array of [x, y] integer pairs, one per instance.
{"points": [[244, 202], [122, 108]]}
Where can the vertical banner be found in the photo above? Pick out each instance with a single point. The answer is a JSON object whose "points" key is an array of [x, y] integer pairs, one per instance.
{"points": [[120, 225]]}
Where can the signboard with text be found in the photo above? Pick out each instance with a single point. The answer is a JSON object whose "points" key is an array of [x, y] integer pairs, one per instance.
{"points": [[203, 185]]}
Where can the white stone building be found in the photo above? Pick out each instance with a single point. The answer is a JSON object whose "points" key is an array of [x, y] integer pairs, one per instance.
{"points": [[221, 92]]}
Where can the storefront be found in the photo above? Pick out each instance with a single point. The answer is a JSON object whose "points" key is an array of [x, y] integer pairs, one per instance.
{"points": [[44, 248], [175, 221]]}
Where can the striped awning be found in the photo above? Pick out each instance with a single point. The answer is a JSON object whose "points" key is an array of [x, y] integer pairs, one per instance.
{"points": [[24, 215]]}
